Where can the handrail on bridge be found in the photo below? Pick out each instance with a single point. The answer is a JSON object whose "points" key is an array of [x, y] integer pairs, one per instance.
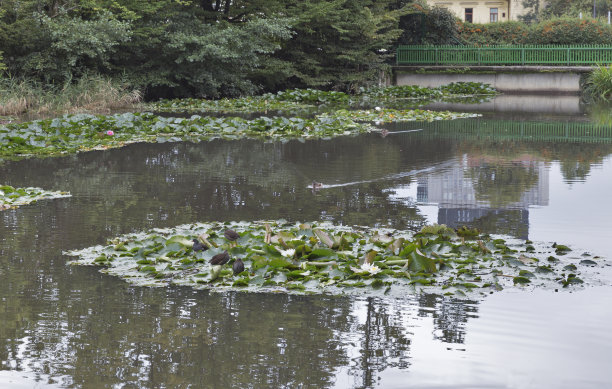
{"points": [[549, 55]]}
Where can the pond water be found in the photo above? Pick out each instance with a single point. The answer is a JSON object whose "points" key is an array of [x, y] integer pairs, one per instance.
{"points": [[64, 326]]}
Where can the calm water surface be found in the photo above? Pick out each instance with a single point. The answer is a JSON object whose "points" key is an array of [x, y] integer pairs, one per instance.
{"points": [[63, 326]]}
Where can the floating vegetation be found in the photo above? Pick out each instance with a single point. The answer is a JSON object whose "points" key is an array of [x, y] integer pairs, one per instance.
{"points": [[75, 133], [385, 115], [309, 96], [463, 88], [244, 104], [293, 99], [322, 258], [13, 197]]}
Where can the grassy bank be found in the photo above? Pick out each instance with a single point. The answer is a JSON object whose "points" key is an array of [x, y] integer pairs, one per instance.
{"points": [[91, 94]]}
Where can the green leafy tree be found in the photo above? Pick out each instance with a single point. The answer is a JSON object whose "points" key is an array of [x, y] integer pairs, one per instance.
{"points": [[56, 41], [338, 44], [533, 7], [573, 8], [425, 25]]}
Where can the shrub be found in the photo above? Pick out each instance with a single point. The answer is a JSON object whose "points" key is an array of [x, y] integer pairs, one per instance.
{"points": [[599, 83], [563, 31], [424, 25], [494, 33]]}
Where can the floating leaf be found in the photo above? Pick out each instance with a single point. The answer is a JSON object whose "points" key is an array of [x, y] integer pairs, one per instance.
{"points": [[521, 280], [162, 257]]}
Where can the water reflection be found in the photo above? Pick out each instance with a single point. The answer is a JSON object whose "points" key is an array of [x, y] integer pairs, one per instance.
{"points": [[568, 105], [78, 327]]}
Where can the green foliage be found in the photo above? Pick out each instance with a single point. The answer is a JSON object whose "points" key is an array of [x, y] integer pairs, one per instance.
{"points": [[76, 133], [562, 31], [77, 46], [202, 49], [494, 33], [533, 11], [573, 8], [422, 24], [309, 96], [11, 197], [387, 115], [403, 91], [339, 44], [214, 60], [571, 31], [56, 44], [467, 88], [303, 99], [90, 93], [599, 83], [438, 261]]}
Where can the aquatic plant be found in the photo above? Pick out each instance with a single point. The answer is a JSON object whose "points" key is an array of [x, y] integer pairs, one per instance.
{"points": [[463, 88], [243, 104], [75, 133], [308, 98], [278, 256], [11, 197], [385, 115], [599, 83]]}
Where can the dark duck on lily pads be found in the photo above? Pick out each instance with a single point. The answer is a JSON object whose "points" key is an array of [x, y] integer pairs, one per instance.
{"points": [[238, 266], [220, 259], [198, 246]]}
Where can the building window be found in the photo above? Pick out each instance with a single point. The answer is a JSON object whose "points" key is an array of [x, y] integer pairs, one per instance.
{"points": [[469, 12], [494, 15]]}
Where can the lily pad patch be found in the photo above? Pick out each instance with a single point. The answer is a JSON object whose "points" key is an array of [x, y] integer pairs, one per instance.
{"points": [[296, 99], [11, 197], [323, 258], [76, 133]]}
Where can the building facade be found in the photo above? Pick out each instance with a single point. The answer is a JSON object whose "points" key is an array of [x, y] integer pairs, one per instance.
{"points": [[483, 11]]}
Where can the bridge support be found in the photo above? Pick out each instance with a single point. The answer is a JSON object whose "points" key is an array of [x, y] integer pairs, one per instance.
{"points": [[506, 79]]}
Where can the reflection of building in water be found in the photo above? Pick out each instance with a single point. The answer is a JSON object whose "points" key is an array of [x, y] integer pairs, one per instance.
{"points": [[487, 192]]}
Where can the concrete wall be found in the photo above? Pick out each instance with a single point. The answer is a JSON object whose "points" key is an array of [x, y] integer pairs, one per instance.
{"points": [[565, 83], [521, 104]]}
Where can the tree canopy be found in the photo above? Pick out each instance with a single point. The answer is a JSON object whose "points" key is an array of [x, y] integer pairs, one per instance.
{"points": [[201, 48]]}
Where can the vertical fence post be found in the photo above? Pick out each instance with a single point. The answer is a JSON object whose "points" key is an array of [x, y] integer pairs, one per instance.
{"points": [[523, 56], [568, 56], [436, 56]]}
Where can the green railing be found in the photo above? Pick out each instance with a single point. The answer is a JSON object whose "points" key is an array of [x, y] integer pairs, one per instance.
{"points": [[505, 55]]}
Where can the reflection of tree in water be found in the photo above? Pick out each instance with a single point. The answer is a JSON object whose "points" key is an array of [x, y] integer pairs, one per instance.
{"points": [[385, 336], [92, 329], [502, 183], [512, 222], [384, 339], [576, 159], [450, 316]]}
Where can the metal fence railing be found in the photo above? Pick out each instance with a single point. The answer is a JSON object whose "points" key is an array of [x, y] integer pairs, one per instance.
{"points": [[551, 55]]}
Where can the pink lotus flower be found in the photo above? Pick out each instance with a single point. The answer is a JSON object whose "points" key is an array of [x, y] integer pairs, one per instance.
{"points": [[110, 133]]}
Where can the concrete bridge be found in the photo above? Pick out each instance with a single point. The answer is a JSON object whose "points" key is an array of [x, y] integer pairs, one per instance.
{"points": [[506, 79], [509, 68]]}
